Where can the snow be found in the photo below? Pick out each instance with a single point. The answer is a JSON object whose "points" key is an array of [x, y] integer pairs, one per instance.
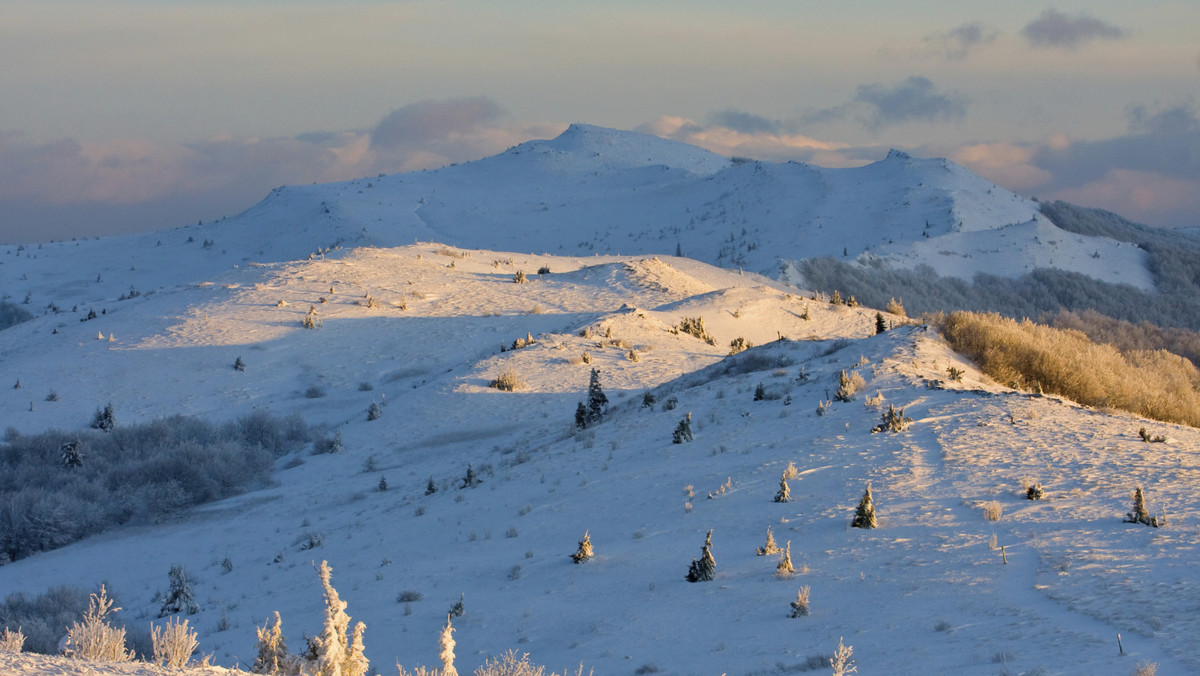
{"points": [[924, 593]]}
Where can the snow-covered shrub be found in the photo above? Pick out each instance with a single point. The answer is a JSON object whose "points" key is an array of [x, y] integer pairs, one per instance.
{"points": [[800, 605], [309, 540], [471, 479], [12, 641], [314, 392], [784, 494], [848, 386], [1151, 438], [174, 643], [1145, 668], [374, 412], [238, 364], [459, 608], [104, 419], [864, 514], [95, 639], [648, 400], [71, 455], [329, 444], [1035, 492], [519, 278], [507, 381], [179, 598], [694, 326], [893, 421], [585, 549], [895, 307], [954, 374], [784, 567], [841, 662], [739, 344], [992, 511]]}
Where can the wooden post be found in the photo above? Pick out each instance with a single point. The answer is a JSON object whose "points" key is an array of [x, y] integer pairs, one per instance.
{"points": [[1004, 555], [1120, 647]]}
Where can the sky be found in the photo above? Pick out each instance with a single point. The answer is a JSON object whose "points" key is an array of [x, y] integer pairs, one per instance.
{"points": [[139, 115]]}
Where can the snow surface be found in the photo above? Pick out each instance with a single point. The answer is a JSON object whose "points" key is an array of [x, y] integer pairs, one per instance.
{"points": [[423, 323]]}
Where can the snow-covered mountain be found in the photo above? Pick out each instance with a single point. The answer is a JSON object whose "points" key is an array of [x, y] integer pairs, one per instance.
{"points": [[417, 330]]}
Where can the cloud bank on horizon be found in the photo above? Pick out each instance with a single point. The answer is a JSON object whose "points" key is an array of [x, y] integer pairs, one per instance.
{"points": [[1096, 106]]}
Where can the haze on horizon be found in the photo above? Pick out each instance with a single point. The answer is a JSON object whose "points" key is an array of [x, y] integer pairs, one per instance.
{"points": [[132, 116]]}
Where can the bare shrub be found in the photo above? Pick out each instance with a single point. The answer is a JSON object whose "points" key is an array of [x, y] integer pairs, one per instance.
{"points": [[1145, 668], [409, 596], [841, 662]]}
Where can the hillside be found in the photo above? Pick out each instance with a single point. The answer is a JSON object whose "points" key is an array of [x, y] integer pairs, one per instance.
{"points": [[418, 330]]}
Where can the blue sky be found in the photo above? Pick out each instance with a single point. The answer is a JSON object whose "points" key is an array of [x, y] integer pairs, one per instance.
{"points": [[123, 116]]}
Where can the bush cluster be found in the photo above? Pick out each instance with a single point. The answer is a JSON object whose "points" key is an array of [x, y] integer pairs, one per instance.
{"points": [[139, 473]]}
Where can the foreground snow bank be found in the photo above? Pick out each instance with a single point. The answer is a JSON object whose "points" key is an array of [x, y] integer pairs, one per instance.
{"points": [[30, 664]]}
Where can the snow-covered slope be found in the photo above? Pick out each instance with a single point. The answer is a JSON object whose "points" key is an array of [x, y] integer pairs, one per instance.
{"points": [[423, 326]]}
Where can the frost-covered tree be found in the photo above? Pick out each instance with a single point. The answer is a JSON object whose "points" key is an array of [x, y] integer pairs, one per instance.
{"points": [[785, 493], [272, 649], [179, 598], [848, 386], [459, 607], [704, 569], [471, 480], [70, 455], [770, 547], [1140, 514], [864, 514], [446, 642], [841, 662], [760, 392], [430, 488], [585, 549], [597, 403], [800, 605], [1035, 492], [374, 412], [104, 420], [683, 431], [784, 567], [338, 651], [894, 420]]}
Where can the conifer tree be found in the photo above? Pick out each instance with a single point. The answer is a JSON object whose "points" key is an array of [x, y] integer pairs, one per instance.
{"points": [[683, 431], [770, 547], [239, 365], [338, 652], [430, 488], [374, 412], [1140, 514], [581, 416], [706, 568], [864, 515], [585, 549], [471, 480], [272, 649], [70, 455], [800, 605], [784, 567], [179, 597], [880, 324], [105, 420], [760, 393], [784, 494], [447, 649], [597, 402]]}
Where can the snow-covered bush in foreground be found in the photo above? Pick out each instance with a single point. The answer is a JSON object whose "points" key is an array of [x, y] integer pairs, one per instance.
{"points": [[94, 638], [12, 641], [174, 643]]}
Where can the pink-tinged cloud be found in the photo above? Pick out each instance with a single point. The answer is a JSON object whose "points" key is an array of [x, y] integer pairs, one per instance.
{"points": [[1140, 196], [1007, 164]]}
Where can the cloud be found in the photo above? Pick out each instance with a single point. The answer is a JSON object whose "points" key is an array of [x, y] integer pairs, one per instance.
{"points": [[744, 122], [957, 43], [1053, 29], [70, 188], [419, 123], [916, 99], [1178, 119], [764, 144]]}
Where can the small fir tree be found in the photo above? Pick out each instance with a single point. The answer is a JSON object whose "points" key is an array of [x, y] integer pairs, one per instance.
{"points": [[597, 402], [1035, 492], [848, 386], [585, 549], [1140, 514], [471, 480], [784, 567], [880, 324], [239, 365], [581, 416], [430, 488], [374, 412], [446, 643], [179, 597], [519, 278], [338, 651], [770, 547], [864, 515], [648, 400], [383, 484], [893, 421], [458, 609], [104, 420], [683, 431], [272, 649], [760, 392], [70, 455], [706, 568], [784, 494], [800, 605]]}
